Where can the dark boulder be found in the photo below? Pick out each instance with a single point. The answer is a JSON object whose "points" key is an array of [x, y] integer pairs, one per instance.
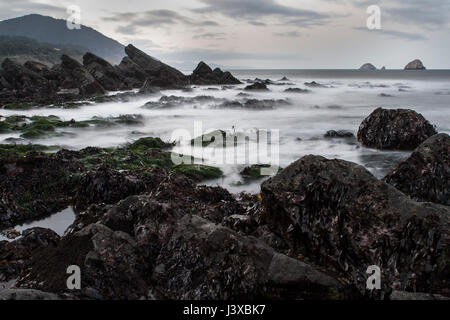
{"points": [[338, 214], [204, 75], [401, 129], [425, 175]]}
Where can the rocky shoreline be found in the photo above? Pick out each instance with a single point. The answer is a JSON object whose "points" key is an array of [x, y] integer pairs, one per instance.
{"points": [[146, 229], [35, 84]]}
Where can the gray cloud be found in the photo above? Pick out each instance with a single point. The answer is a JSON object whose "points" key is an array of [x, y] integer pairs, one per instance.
{"points": [[17, 8], [252, 10], [211, 36], [394, 34], [257, 23], [289, 34], [154, 18]]}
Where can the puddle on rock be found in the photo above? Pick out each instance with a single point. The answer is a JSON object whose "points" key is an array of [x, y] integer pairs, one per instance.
{"points": [[57, 222]]}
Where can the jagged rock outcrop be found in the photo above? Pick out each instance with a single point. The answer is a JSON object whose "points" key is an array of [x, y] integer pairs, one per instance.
{"points": [[341, 216], [425, 175], [159, 73], [401, 129], [20, 78], [204, 75], [78, 77], [107, 75], [415, 65]]}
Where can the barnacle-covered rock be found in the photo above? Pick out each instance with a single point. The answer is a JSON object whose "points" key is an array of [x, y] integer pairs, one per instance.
{"points": [[425, 175], [340, 215], [401, 129]]}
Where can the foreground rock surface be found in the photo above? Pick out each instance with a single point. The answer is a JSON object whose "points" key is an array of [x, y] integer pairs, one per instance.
{"points": [[401, 129], [425, 175], [340, 215], [169, 244]]}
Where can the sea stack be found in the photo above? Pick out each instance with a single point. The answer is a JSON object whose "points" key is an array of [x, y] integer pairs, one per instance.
{"points": [[368, 67], [415, 65]]}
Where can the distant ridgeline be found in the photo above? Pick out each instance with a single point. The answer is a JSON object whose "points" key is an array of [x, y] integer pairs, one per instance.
{"points": [[54, 31], [22, 49]]}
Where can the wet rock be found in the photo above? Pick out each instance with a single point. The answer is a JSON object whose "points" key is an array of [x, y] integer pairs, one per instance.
{"points": [[297, 90], [425, 175], [415, 65], [403, 295], [339, 134], [204, 75], [27, 294], [338, 214], [257, 86], [109, 262], [107, 75], [402, 129], [15, 255]]}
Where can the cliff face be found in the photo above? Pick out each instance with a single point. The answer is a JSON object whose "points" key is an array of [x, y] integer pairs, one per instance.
{"points": [[368, 67]]}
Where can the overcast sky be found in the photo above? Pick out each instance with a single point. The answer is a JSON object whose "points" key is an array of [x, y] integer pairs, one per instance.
{"points": [[266, 33]]}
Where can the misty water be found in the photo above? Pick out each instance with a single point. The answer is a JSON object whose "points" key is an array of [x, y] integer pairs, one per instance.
{"points": [[349, 97]]}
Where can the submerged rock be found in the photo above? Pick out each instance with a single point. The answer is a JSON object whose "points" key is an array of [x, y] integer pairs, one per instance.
{"points": [[297, 90], [425, 175], [401, 129], [340, 215], [339, 134], [257, 86]]}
